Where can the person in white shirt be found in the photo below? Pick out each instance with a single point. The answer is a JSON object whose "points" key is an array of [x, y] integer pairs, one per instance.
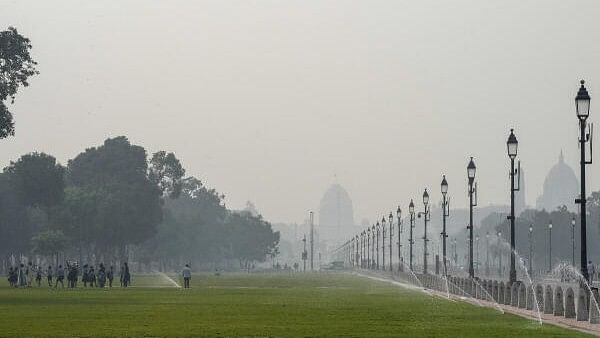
{"points": [[187, 275]]}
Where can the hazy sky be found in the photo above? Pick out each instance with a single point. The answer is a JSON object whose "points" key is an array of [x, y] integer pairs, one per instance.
{"points": [[266, 100]]}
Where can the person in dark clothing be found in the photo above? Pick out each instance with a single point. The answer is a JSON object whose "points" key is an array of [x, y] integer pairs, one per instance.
{"points": [[101, 276], [126, 275], [84, 277], [92, 277], [38, 275], [49, 275], [110, 275], [60, 276]]}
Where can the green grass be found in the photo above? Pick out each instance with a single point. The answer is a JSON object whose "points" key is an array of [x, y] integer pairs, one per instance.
{"points": [[297, 305]]}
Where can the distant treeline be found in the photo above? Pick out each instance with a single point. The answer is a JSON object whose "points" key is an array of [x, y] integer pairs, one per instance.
{"points": [[115, 203]]}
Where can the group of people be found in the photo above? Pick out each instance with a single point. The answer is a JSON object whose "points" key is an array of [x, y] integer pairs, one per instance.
{"points": [[22, 276]]}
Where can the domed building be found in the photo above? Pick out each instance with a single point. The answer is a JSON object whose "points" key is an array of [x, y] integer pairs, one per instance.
{"points": [[336, 215], [561, 187]]}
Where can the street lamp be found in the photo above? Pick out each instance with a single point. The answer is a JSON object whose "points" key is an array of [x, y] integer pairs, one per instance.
{"points": [[511, 146], [531, 249], [487, 253], [445, 213], [573, 240], [383, 232], [391, 224], [376, 231], [582, 106], [550, 246], [411, 210], [499, 255], [426, 218], [369, 246], [399, 220], [472, 202]]}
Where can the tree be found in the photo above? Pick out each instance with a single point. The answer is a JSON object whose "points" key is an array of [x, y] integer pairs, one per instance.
{"points": [[15, 227], [166, 172], [38, 179], [16, 66], [49, 243], [127, 205]]}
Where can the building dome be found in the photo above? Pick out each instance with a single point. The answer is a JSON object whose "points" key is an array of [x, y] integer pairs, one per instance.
{"points": [[335, 209], [560, 187]]}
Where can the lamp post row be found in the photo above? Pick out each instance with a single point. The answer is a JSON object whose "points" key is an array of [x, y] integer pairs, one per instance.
{"points": [[366, 244]]}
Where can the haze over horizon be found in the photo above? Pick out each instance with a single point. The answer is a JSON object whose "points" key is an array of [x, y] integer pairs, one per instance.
{"points": [[267, 101]]}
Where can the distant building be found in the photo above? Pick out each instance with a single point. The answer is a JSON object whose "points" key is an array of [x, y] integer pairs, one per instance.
{"points": [[336, 214], [560, 187]]}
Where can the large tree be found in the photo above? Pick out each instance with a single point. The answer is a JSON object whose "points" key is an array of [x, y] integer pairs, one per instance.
{"points": [[127, 205], [38, 179], [16, 66]]}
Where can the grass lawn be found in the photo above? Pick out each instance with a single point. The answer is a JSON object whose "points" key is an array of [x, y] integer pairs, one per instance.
{"points": [[282, 305]]}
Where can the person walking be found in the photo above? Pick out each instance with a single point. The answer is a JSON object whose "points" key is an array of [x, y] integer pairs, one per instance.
{"points": [[126, 275], [38, 275], [29, 273], [60, 277], [110, 275], [49, 275], [22, 276], [187, 275], [591, 271], [84, 277], [101, 276]]}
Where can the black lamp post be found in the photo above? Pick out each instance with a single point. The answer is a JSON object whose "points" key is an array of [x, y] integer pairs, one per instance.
{"points": [[582, 105], [377, 231], [383, 232], [399, 220], [369, 245], [445, 213], [511, 146], [550, 246], [391, 235], [411, 210], [357, 251], [472, 202], [426, 218], [499, 255], [487, 253], [531, 249]]}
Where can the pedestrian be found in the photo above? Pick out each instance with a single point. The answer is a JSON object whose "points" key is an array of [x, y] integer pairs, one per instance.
{"points": [[110, 275], [60, 276], [187, 275], [591, 271], [126, 275], [84, 276], [29, 273], [38, 275], [121, 273], [22, 276], [49, 275], [92, 277], [101, 276], [12, 281]]}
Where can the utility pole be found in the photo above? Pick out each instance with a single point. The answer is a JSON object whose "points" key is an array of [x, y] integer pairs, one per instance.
{"points": [[304, 253], [312, 241]]}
